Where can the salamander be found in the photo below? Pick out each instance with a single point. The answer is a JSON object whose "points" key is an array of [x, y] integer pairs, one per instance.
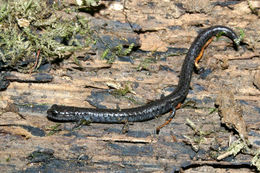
{"points": [[158, 107]]}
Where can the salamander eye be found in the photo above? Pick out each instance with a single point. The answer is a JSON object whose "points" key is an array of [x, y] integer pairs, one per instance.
{"points": [[55, 113], [52, 112]]}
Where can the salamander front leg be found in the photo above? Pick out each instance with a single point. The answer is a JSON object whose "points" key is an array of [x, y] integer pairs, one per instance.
{"points": [[82, 122], [125, 127]]}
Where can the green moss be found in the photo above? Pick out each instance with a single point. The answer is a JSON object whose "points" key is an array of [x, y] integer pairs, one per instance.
{"points": [[253, 9], [238, 40], [122, 91], [110, 54], [193, 105], [8, 158], [256, 160], [145, 64], [240, 37], [54, 129], [87, 2], [28, 27], [133, 100]]}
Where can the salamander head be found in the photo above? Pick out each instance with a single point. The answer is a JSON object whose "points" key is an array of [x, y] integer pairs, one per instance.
{"points": [[59, 113]]}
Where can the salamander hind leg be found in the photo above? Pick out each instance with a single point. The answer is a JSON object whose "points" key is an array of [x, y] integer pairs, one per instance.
{"points": [[168, 120]]}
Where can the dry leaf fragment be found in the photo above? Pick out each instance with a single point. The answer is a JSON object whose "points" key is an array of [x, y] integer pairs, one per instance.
{"points": [[231, 113]]}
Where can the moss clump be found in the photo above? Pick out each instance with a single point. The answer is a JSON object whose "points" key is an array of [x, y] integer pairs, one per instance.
{"points": [[110, 54], [122, 91], [31, 34], [145, 64]]}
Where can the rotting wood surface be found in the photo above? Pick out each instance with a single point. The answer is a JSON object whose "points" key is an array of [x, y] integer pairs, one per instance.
{"points": [[26, 145]]}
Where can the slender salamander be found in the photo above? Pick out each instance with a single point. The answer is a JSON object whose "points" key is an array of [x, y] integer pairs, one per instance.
{"points": [[150, 110]]}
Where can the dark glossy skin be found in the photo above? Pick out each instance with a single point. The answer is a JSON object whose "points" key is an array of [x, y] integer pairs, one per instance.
{"points": [[152, 109]]}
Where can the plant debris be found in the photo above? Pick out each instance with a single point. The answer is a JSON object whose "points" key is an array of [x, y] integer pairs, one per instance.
{"points": [[31, 34], [231, 113]]}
